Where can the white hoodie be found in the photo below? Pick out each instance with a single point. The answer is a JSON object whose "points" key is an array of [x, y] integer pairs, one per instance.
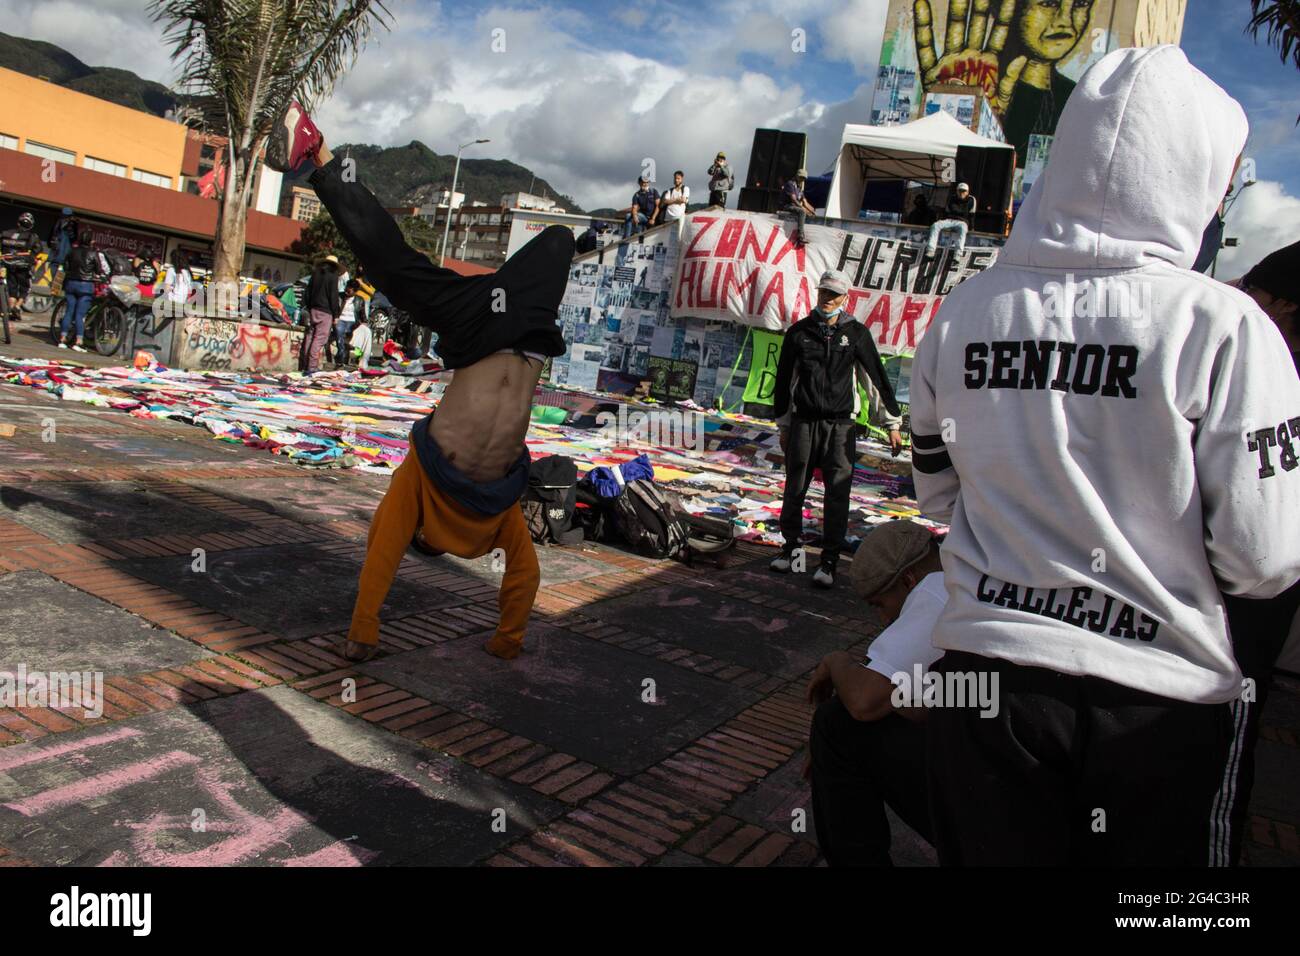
{"points": [[1131, 488]]}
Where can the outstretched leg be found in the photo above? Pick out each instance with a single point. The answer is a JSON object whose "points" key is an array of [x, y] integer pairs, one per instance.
{"points": [[513, 308]]}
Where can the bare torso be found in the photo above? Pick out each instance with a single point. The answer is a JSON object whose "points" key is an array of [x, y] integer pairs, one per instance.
{"points": [[484, 413]]}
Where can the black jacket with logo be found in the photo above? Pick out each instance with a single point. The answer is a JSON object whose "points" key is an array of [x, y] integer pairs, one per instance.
{"points": [[815, 378]]}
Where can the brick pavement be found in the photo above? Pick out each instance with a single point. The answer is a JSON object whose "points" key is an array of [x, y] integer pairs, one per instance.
{"points": [[657, 717]]}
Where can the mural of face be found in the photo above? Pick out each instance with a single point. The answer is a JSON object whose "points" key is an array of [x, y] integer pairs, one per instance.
{"points": [[1050, 29]]}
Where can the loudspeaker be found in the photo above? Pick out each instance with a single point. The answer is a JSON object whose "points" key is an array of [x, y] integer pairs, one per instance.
{"points": [[762, 158], [791, 155], [989, 174], [758, 200]]}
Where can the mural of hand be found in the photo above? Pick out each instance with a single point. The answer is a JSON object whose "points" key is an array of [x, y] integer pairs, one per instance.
{"points": [[969, 56]]}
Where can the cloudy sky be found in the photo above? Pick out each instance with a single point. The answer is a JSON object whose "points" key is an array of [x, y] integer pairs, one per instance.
{"points": [[584, 92]]}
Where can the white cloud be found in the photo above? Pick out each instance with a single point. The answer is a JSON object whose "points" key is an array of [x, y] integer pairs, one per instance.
{"points": [[854, 32], [1264, 219]]}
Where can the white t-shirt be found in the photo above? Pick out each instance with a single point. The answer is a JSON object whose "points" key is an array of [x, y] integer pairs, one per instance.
{"points": [[677, 192], [361, 339], [906, 642]]}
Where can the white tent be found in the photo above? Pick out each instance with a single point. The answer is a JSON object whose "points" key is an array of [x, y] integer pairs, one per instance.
{"points": [[914, 150]]}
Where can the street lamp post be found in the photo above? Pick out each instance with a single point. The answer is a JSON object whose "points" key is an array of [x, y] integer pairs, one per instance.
{"points": [[1223, 241], [451, 197]]}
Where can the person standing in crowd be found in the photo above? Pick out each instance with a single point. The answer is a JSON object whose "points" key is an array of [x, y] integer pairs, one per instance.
{"points": [[864, 751], [1259, 628], [346, 321], [644, 208], [83, 266], [177, 283], [1274, 284], [672, 204], [795, 203], [815, 400], [721, 182], [146, 271], [958, 215], [589, 240], [323, 308], [1108, 473], [361, 342], [65, 232], [20, 247]]}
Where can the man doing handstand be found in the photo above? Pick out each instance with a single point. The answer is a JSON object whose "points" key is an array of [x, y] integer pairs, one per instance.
{"points": [[459, 486]]}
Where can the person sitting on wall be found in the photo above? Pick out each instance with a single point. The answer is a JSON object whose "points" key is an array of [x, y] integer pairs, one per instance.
{"points": [[645, 205], [957, 215], [865, 751], [797, 204], [467, 467]]}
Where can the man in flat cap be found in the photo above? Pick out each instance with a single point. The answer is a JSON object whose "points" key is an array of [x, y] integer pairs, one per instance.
{"points": [[815, 399], [866, 752]]}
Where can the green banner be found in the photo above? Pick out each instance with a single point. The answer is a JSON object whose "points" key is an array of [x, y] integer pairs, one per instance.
{"points": [[762, 367]]}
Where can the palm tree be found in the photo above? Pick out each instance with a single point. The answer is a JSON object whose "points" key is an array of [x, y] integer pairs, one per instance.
{"points": [[241, 62], [1280, 21]]}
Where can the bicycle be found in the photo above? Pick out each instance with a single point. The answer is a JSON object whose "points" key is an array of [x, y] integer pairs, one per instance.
{"points": [[106, 319]]}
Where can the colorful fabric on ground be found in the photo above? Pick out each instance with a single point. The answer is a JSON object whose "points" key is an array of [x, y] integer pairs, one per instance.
{"points": [[716, 463]]}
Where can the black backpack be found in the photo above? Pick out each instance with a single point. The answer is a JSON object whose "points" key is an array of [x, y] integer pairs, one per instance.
{"points": [[647, 521], [551, 499]]}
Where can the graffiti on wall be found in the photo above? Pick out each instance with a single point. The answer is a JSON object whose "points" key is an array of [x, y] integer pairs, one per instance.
{"points": [[1025, 55], [222, 345]]}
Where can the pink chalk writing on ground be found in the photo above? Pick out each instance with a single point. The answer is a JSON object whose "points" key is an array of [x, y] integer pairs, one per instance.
{"points": [[765, 627], [251, 835], [102, 784], [14, 757]]}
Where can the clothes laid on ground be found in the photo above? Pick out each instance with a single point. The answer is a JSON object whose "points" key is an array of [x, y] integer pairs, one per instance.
{"points": [[363, 420], [1114, 424], [906, 642], [474, 316]]}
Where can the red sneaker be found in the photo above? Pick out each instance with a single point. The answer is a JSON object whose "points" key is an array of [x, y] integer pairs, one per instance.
{"points": [[293, 139]]}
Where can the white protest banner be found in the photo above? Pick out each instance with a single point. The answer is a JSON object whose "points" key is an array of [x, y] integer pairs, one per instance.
{"points": [[744, 267]]}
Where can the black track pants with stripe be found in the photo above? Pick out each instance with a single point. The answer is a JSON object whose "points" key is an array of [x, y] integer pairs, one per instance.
{"points": [[1074, 771]]}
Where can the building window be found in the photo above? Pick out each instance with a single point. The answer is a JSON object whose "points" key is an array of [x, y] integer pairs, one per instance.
{"points": [[151, 179], [104, 166], [50, 152], [8, 142]]}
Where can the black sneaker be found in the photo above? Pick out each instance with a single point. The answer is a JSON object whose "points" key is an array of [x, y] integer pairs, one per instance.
{"points": [[293, 139], [781, 563], [825, 576]]}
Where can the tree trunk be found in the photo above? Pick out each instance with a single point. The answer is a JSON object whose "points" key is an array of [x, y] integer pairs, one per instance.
{"points": [[232, 225]]}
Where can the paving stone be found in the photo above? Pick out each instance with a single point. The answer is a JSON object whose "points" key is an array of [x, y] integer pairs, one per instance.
{"points": [[289, 590], [281, 779], [552, 694], [48, 625]]}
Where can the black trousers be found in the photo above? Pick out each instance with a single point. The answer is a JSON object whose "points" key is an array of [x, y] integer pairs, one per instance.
{"points": [[513, 308], [1259, 630], [1074, 770], [858, 767], [831, 447]]}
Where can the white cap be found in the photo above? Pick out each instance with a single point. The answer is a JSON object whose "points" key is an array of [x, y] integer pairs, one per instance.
{"points": [[833, 280], [961, 186]]}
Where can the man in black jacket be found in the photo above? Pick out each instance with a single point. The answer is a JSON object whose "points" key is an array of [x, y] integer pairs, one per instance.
{"points": [[958, 214], [323, 308], [20, 247], [816, 400]]}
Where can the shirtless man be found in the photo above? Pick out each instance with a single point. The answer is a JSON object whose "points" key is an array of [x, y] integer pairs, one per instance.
{"points": [[458, 489]]}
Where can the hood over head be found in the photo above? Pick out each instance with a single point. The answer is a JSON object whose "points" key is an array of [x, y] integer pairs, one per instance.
{"points": [[1143, 155]]}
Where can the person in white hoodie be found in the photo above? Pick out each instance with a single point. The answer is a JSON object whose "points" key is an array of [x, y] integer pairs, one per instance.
{"points": [[1113, 440]]}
